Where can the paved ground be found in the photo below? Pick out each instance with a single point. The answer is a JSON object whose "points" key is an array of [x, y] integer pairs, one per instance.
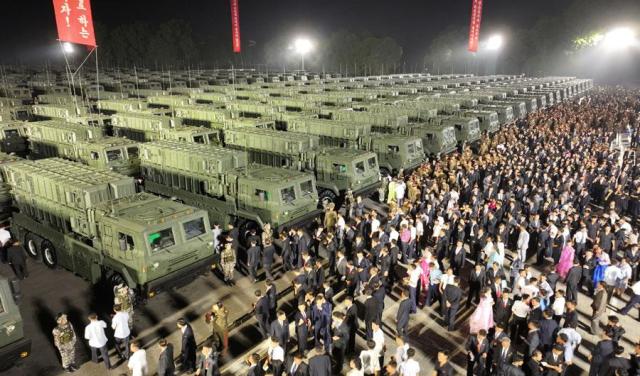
{"points": [[47, 292]]}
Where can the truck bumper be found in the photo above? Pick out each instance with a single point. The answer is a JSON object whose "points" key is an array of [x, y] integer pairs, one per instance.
{"points": [[364, 191], [311, 215], [179, 277], [13, 352]]}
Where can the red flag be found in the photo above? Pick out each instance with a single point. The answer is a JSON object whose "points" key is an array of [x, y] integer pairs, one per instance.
{"points": [[235, 26], [74, 21], [474, 27]]}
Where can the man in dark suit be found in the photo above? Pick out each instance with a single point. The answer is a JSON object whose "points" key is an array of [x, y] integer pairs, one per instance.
{"points": [[616, 363], [207, 361], [553, 362], [548, 329], [477, 349], [600, 353], [296, 366], [402, 317], [255, 369], [570, 315], [261, 308], [188, 350], [533, 367], [476, 283], [371, 311], [457, 257], [353, 323], [302, 323], [502, 308], [533, 338], [280, 330], [268, 253], [272, 295], [599, 307], [18, 260], [253, 259], [573, 279], [320, 364], [452, 295], [340, 339], [165, 360], [502, 355]]}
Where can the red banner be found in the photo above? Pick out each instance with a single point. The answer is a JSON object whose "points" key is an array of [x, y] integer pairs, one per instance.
{"points": [[474, 27], [235, 26], [74, 21]]}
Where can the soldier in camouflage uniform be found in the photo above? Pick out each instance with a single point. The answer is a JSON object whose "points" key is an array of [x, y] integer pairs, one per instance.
{"points": [[218, 325], [228, 262], [64, 338], [124, 297]]}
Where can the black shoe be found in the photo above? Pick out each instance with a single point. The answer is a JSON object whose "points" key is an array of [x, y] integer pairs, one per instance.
{"points": [[68, 370]]}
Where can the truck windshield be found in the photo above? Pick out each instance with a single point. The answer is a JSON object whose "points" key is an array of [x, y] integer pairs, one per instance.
{"points": [[9, 133], [339, 168], [193, 228], [373, 164], [360, 167], [419, 146], [114, 155], [262, 195], [161, 239], [213, 138], [306, 188], [411, 148], [133, 152], [198, 139], [288, 194]]}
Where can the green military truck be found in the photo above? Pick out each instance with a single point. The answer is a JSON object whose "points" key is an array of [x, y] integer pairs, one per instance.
{"points": [[436, 139], [93, 223], [13, 137], [489, 121], [336, 169], [505, 112], [144, 128], [82, 143], [467, 128], [220, 181], [395, 152], [71, 114], [13, 345], [6, 200]]}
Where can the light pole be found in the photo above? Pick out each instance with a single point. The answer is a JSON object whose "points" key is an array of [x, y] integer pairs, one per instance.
{"points": [[302, 46]]}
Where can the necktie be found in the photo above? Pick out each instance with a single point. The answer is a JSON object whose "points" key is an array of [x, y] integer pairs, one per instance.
{"points": [[293, 368], [498, 291]]}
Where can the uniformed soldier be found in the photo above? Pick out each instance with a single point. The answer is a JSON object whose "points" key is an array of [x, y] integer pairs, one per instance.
{"points": [[219, 325], [124, 297], [228, 262], [330, 216], [64, 338]]}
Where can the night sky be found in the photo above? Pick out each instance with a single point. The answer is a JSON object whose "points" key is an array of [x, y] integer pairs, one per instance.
{"points": [[29, 26]]}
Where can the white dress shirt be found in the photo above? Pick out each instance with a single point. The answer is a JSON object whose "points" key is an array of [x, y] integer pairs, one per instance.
{"points": [[410, 368], [5, 236], [94, 332], [138, 363], [120, 325]]}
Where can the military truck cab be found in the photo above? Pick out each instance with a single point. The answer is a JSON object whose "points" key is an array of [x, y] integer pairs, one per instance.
{"points": [[13, 345], [505, 112], [113, 153], [489, 121], [13, 138], [338, 170], [436, 139], [467, 129], [6, 200], [396, 152]]}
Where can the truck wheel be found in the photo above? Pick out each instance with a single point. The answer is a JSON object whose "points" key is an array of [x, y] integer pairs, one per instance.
{"points": [[325, 197], [49, 255], [32, 245], [245, 229], [115, 279], [384, 172]]}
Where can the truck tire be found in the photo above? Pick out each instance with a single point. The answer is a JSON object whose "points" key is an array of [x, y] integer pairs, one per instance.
{"points": [[49, 255], [325, 197], [114, 279], [32, 245], [384, 172], [244, 230]]}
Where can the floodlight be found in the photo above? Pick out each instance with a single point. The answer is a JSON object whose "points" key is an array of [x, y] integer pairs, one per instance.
{"points": [[302, 45], [67, 47], [494, 42], [619, 38]]}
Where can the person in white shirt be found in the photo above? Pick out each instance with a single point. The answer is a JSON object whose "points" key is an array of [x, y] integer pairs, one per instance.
{"points": [[369, 359], [94, 333], [558, 306], [275, 356], [401, 351], [138, 361], [121, 331], [410, 367], [5, 237], [378, 338], [355, 367]]}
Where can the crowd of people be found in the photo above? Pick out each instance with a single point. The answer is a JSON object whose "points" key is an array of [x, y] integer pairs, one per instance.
{"points": [[541, 216]]}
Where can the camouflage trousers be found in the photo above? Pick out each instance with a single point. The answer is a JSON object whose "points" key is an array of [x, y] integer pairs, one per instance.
{"points": [[67, 355], [227, 270], [130, 312]]}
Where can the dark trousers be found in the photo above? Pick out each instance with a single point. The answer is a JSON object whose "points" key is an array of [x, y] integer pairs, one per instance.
{"points": [[572, 292], [263, 326], [20, 270], [401, 330], [635, 299], [432, 294], [120, 343], [267, 270], [104, 354], [450, 317], [413, 295]]}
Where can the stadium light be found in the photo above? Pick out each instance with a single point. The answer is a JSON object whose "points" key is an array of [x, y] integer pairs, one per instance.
{"points": [[619, 38], [302, 46], [67, 47], [495, 42]]}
